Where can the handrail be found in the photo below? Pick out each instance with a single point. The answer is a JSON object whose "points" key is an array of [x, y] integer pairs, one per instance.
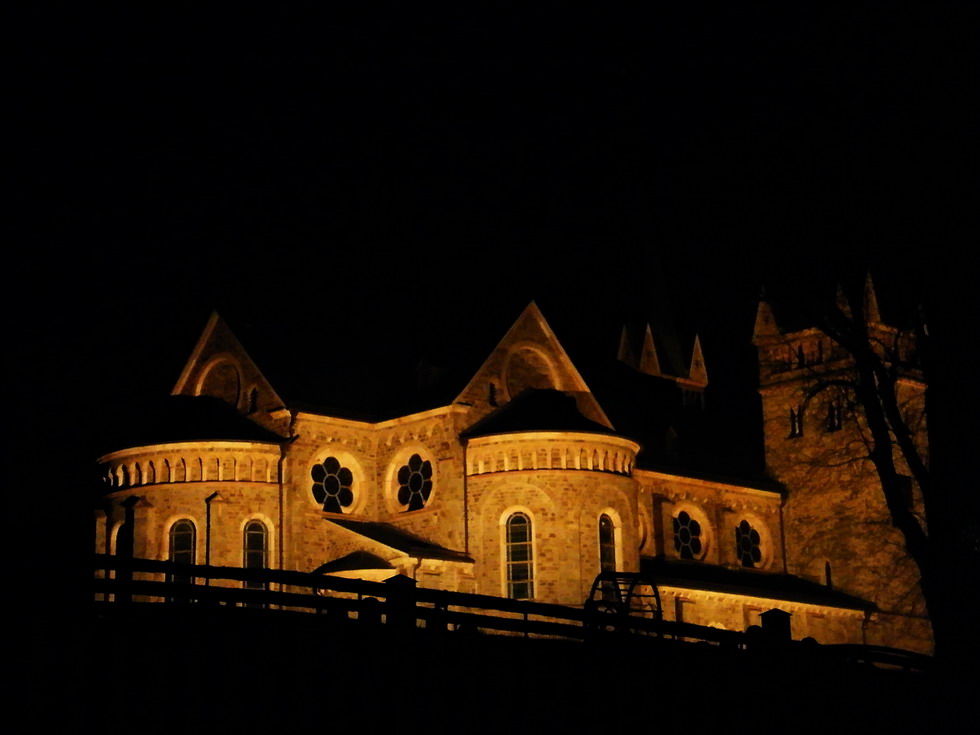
{"points": [[119, 580]]}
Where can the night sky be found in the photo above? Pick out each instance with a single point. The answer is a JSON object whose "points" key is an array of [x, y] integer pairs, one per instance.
{"points": [[394, 176]]}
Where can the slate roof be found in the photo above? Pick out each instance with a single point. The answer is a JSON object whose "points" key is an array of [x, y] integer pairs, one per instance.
{"points": [[352, 562], [396, 538], [173, 419], [321, 373], [536, 410], [695, 575]]}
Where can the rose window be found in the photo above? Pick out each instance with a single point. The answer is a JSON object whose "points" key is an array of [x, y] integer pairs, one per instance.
{"points": [[747, 545], [687, 536], [415, 483], [332, 485]]}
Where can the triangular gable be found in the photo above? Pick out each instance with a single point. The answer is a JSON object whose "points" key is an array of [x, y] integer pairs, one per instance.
{"points": [[219, 366], [528, 356]]}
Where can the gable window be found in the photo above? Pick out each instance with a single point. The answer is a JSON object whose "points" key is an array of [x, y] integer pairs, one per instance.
{"points": [[255, 552], [183, 544], [520, 564], [687, 536]]}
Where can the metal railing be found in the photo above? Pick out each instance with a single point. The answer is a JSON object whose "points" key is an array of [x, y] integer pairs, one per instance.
{"points": [[398, 603]]}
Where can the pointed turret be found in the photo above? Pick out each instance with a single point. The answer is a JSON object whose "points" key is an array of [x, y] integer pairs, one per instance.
{"points": [[871, 313], [649, 362], [698, 372], [625, 353], [765, 322]]}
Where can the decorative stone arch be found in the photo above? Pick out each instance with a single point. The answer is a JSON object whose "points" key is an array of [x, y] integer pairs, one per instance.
{"points": [[243, 468], [227, 468], [117, 526], [493, 504], [221, 377], [643, 524], [260, 469], [695, 513], [759, 525], [416, 478], [195, 473], [150, 476], [527, 365], [180, 470], [210, 469], [347, 460]]}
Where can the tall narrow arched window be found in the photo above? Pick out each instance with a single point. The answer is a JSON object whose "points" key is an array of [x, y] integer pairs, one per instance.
{"points": [[520, 564], [255, 554], [183, 545], [607, 544], [607, 553]]}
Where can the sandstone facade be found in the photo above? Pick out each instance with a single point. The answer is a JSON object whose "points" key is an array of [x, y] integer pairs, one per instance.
{"points": [[520, 486]]}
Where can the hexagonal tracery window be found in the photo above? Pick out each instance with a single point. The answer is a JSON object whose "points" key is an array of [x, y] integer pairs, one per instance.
{"points": [[687, 536], [747, 545], [333, 485], [415, 483]]}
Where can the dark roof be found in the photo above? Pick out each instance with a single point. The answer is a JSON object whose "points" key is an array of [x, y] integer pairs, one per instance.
{"points": [[536, 409], [696, 575], [175, 419], [352, 562], [423, 369], [715, 433], [396, 538]]}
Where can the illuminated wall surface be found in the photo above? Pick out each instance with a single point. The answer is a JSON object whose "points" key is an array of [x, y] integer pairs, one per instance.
{"points": [[517, 484]]}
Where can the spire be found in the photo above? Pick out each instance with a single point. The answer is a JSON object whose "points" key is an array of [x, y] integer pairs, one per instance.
{"points": [[765, 321], [871, 313], [625, 353], [698, 372], [649, 362]]}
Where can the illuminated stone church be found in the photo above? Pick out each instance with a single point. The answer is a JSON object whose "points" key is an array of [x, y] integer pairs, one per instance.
{"points": [[526, 475]]}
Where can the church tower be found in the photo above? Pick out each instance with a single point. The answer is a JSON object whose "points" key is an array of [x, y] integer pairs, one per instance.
{"points": [[837, 526]]}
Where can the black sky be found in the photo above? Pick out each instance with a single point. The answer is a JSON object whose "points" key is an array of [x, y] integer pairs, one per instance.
{"points": [[399, 171]]}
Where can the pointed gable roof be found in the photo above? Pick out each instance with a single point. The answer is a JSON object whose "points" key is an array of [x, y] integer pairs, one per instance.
{"points": [[219, 342], [530, 356]]}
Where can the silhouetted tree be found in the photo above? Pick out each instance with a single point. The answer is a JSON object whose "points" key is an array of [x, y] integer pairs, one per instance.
{"points": [[877, 390]]}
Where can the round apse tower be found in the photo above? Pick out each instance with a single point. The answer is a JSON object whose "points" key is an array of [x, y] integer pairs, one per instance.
{"points": [[551, 499]]}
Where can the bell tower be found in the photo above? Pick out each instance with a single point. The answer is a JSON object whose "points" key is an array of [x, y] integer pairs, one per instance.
{"points": [[837, 526]]}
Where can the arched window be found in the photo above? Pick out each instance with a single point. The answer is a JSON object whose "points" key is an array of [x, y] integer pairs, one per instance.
{"points": [[520, 564], [255, 553], [183, 545], [607, 544], [748, 545]]}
